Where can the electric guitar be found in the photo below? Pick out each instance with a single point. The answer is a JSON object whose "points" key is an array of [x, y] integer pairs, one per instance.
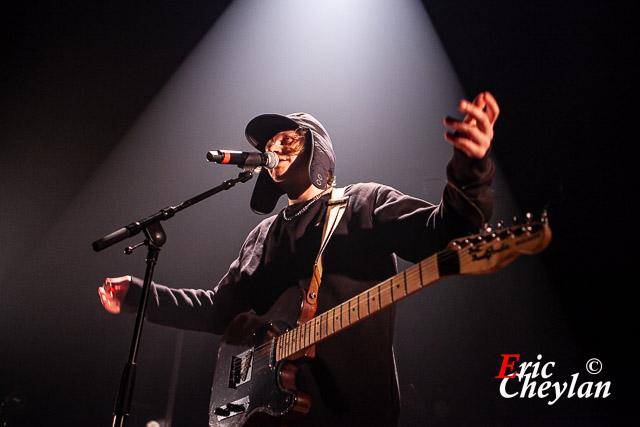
{"points": [[254, 377]]}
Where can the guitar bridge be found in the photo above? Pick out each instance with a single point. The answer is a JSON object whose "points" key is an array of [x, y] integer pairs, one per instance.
{"points": [[241, 366]]}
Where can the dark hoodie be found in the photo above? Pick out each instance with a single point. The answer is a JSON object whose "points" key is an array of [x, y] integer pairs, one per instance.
{"points": [[352, 379]]}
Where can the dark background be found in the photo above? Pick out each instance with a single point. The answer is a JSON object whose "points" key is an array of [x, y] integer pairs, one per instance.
{"points": [[562, 72]]}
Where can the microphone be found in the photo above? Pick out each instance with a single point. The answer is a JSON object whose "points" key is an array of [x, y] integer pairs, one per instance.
{"points": [[244, 159]]}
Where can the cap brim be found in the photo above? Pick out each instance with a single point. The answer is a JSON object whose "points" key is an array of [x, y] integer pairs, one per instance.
{"points": [[266, 194], [262, 128]]}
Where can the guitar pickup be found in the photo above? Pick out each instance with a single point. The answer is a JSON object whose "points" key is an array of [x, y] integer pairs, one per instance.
{"points": [[240, 371]]}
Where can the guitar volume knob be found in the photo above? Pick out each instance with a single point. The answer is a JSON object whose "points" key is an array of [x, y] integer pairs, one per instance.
{"points": [[233, 407], [222, 412]]}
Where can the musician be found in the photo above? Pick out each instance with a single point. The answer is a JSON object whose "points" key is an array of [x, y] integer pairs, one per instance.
{"points": [[352, 378]]}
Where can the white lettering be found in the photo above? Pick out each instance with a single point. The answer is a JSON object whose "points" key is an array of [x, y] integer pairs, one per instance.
{"points": [[543, 387], [527, 387], [559, 392], [599, 387], [503, 389], [544, 369], [574, 379], [585, 391]]}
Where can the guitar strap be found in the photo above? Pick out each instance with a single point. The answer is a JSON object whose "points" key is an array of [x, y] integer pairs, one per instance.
{"points": [[335, 210]]}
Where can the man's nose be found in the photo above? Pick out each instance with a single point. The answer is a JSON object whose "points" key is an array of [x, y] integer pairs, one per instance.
{"points": [[276, 147]]}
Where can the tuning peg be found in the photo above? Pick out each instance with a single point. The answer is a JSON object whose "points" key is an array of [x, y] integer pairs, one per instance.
{"points": [[544, 218], [500, 225], [528, 217]]}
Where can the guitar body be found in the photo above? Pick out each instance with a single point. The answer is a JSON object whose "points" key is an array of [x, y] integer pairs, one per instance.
{"points": [[255, 375], [249, 386]]}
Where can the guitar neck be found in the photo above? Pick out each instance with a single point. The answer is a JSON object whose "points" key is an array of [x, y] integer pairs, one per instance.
{"points": [[481, 253], [367, 303]]}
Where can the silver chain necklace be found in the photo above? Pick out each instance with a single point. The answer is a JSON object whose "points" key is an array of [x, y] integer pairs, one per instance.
{"points": [[304, 208]]}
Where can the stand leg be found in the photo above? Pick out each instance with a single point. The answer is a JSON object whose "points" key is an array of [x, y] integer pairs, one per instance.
{"points": [[154, 234]]}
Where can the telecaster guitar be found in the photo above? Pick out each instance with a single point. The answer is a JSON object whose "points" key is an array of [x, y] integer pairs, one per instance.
{"points": [[254, 378]]}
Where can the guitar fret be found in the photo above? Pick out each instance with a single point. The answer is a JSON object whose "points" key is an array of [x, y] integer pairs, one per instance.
{"points": [[432, 267], [286, 343], [326, 325], [298, 340], [363, 305], [323, 334], [386, 298], [307, 334], [397, 289], [317, 328], [353, 307], [373, 295], [413, 278], [330, 327], [294, 340], [301, 337], [344, 313], [403, 285], [324, 318]]}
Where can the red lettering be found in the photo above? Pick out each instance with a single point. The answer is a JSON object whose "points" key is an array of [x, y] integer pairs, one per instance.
{"points": [[506, 364]]}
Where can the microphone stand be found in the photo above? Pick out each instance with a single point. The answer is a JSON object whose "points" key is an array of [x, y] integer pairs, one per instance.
{"points": [[155, 239]]}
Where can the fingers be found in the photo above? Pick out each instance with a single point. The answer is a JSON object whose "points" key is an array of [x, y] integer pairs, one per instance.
{"points": [[475, 112], [473, 135], [115, 281], [113, 292], [492, 108], [108, 301], [473, 109], [468, 146]]}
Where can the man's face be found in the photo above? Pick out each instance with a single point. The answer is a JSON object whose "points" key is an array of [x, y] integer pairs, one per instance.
{"points": [[293, 159]]}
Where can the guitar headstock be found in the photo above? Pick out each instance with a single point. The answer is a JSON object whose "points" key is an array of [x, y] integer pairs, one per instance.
{"points": [[495, 248]]}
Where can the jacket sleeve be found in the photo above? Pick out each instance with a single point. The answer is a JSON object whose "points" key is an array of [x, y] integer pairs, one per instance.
{"points": [[468, 191], [414, 229], [201, 309]]}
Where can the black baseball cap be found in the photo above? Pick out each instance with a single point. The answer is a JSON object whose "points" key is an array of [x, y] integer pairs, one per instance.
{"points": [[322, 158]]}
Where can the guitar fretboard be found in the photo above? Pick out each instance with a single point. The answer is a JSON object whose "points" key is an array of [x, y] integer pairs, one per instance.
{"points": [[359, 307], [481, 253]]}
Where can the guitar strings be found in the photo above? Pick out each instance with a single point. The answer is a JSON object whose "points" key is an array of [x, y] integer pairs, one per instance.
{"points": [[426, 268], [385, 293]]}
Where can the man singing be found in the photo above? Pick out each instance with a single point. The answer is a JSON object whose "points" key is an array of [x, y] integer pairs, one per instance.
{"points": [[352, 378]]}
